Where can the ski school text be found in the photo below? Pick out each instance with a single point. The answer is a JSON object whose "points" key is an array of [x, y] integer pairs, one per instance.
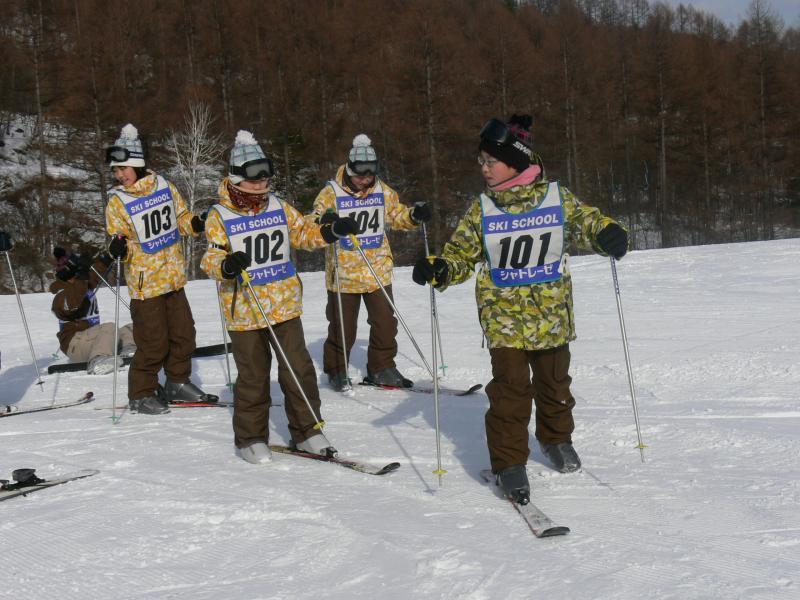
{"points": [[272, 219], [346, 203], [541, 218], [149, 202]]}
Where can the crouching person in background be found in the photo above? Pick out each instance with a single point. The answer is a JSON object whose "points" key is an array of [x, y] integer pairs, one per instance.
{"points": [[81, 336], [251, 230]]}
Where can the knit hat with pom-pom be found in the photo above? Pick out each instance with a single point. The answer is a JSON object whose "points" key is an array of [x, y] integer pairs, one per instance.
{"points": [[362, 159], [129, 140], [245, 149]]}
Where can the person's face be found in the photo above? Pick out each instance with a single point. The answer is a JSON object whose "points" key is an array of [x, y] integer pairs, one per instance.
{"points": [[259, 186], [495, 171], [124, 175], [362, 182]]}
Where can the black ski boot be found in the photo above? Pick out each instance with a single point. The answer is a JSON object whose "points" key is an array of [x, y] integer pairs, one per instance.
{"points": [[339, 382], [149, 405], [390, 377], [175, 393], [513, 481], [562, 456], [22, 478]]}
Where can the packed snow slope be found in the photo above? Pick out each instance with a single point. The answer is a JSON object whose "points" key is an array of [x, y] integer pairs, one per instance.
{"points": [[175, 513]]}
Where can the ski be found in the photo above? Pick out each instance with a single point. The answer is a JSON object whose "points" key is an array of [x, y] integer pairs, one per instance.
{"points": [[72, 367], [26, 482], [10, 410], [539, 523], [425, 390], [201, 404], [355, 465]]}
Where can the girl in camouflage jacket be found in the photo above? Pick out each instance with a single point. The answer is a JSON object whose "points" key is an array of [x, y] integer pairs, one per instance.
{"points": [[517, 231]]}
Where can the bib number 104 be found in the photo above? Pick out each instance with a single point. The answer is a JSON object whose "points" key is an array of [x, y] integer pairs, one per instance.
{"points": [[156, 221], [516, 252]]}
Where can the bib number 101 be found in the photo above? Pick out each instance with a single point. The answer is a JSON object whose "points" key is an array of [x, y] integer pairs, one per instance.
{"points": [[156, 221], [516, 252]]}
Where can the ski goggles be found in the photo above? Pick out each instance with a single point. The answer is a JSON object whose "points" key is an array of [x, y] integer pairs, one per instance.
{"points": [[364, 169], [494, 130], [254, 170], [120, 154]]}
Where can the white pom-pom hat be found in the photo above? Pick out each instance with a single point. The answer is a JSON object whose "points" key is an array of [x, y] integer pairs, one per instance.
{"points": [[129, 140], [362, 159], [245, 149]]}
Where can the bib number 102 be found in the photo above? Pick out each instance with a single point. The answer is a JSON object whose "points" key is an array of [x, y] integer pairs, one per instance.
{"points": [[156, 221], [516, 252], [264, 247]]}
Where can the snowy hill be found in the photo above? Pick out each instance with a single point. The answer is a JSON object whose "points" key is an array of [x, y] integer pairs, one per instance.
{"points": [[174, 513]]}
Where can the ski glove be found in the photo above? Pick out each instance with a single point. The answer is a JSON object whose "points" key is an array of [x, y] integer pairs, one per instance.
{"points": [[613, 240], [118, 248], [430, 269], [199, 222], [5, 242], [421, 213], [234, 264], [70, 268], [83, 267], [338, 228]]}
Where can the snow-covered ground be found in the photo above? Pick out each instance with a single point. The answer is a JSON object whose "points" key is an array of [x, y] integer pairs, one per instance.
{"points": [[174, 513]]}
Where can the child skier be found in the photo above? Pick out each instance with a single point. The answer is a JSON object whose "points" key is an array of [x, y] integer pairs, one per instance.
{"points": [[518, 231]]}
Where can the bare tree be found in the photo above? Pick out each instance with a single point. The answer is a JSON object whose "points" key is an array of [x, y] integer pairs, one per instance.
{"points": [[196, 153]]}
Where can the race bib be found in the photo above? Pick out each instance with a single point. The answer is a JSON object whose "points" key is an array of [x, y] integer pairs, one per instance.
{"points": [[525, 248], [92, 317], [264, 238], [153, 217], [368, 213]]}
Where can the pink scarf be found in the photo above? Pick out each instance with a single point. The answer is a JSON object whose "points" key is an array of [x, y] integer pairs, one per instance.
{"points": [[527, 177]]}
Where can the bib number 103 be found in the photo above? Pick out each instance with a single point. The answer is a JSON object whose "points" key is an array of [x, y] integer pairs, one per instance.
{"points": [[265, 247], [156, 221], [516, 252]]}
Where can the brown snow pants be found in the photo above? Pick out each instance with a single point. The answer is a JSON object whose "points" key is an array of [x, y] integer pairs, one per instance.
{"points": [[163, 329], [382, 331], [252, 352], [510, 393]]}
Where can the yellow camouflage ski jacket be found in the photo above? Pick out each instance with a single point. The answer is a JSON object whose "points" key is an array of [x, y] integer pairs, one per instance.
{"points": [[149, 275], [528, 317], [354, 275], [281, 300]]}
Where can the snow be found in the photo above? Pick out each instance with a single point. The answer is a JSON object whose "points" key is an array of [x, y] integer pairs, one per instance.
{"points": [[175, 513]]}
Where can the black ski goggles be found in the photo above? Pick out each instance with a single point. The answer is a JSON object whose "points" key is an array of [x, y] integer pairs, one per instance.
{"points": [[120, 154], [254, 170], [494, 130], [364, 169]]}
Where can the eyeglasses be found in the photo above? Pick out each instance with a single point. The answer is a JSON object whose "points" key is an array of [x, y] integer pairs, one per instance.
{"points": [[253, 170], [117, 154], [496, 131], [364, 169], [489, 162]]}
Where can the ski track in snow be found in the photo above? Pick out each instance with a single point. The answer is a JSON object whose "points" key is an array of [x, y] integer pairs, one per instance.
{"points": [[712, 513]]}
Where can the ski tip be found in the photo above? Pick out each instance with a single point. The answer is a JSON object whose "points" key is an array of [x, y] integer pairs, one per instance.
{"points": [[389, 468], [554, 531]]}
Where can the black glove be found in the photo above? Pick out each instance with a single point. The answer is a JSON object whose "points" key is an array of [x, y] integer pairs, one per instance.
{"points": [[338, 228], [613, 240], [83, 267], [199, 222], [5, 242], [234, 264], [118, 248], [69, 269], [328, 217], [421, 213], [430, 269]]}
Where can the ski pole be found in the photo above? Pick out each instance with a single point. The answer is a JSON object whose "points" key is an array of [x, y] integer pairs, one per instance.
{"points": [[24, 320], [358, 247], [434, 310], [348, 387], [108, 285], [439, 470], [224, 336], [319, 424], [114, 418], [641, 445]]}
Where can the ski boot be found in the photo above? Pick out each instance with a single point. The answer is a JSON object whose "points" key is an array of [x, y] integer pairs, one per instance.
{"points": [[257, 453], [102, 364], [317, 444], [390, 377], [562, 456], [513, 481], [149, 405], [22, 478], [128, 351], [175, 393], [339, 382]]}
